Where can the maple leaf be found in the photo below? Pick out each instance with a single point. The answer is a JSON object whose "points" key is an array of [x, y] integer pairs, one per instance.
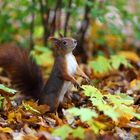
{"points": [[104, 65], [101, 65], [78, 132], [85, 114], [118, 60], [62, 131], [65, 130], [114, 106]]}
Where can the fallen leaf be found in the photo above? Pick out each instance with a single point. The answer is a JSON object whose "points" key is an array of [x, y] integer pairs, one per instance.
{"points": [[130, 56], [6, 129]]}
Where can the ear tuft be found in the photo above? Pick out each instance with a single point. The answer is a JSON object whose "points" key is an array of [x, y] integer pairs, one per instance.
{"points": [[60, 35], [54, 40], [51, 38]]}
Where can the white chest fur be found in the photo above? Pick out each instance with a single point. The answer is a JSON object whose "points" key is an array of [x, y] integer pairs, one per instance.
{"points": [[71, 68], [71, 64]]}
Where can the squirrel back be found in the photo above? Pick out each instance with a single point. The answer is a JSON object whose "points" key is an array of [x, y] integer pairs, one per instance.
{"points": [[23, 71]]}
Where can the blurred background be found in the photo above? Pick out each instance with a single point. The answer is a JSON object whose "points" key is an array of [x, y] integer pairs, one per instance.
{"points": [[102, 27]]}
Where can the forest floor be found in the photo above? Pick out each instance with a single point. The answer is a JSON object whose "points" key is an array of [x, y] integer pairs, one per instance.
{"points": [[115, 118]]}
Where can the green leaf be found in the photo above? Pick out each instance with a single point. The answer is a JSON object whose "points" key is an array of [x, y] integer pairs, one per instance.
{"points": [[117, 60], [78, 133], [42, 55], [113, 106], [137, 35], [104, 65], [62, 131], [120, 99], [101, 65], [85, 114], [102, 19], [6, 89], [42, 49], [92, 91], [38, 32], [96, 126], [105, 108]]}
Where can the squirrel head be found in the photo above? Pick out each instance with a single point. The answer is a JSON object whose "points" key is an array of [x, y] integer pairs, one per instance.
{"points": [[63, 45]]}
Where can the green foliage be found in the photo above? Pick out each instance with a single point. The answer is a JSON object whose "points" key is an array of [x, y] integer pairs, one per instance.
{"points": [[78, 132], [85, 114], [97, 12], [118, 60], [6, 89], [62, 131], [96, 126], [111, 105], [65, 130], [104, 65], [101, 65], [16, 18], [42, 55], [38, 32]]}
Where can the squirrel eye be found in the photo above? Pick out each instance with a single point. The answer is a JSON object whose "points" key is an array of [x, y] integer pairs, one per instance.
{"points": [[64, 42]]}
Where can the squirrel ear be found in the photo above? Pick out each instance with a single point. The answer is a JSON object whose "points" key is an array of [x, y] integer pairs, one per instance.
{"points": [[55, 40], [60, 35]]}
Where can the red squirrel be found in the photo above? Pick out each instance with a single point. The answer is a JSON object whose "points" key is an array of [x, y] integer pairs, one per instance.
{"points": [[27, 77]]}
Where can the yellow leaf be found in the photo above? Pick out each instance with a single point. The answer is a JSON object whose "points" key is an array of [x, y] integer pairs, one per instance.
{"points": [[41, 108], [18, 116], [14, 116], [130, 56], [11, 116], [6, 129], [127, 112], [45, 129], [135, 84]]}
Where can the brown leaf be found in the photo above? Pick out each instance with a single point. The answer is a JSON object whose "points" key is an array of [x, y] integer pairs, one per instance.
{"points": [[5, 136], [41, 108], [28, 137]]}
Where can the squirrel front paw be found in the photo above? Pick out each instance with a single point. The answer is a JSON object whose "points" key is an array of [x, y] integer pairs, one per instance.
{"points": [[86, 79], [77, 85]]}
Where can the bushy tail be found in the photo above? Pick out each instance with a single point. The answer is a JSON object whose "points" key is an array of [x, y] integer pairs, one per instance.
{"points": [[23, 71]]}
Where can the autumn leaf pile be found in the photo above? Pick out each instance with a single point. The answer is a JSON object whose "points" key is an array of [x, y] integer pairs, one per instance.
{"points": [[107, 108]]}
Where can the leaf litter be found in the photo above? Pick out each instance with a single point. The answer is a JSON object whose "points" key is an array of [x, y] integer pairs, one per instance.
{"points": [[109, 109]]}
